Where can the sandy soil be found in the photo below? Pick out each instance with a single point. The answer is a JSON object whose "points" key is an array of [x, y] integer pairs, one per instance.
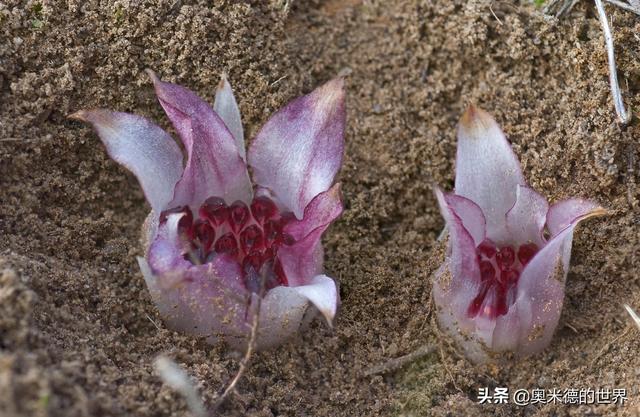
{"points": [[78, 332]]}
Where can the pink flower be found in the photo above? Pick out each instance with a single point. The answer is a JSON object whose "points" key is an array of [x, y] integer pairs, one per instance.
{"points": [[501, 286], [212, 237]]}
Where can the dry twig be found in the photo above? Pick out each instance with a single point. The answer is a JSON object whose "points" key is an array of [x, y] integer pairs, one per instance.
{"points": [[623, 116], [397, 363], [608, 345], [631, 5], [177, 378], [559, 8], [251, 345], [633, 315]]}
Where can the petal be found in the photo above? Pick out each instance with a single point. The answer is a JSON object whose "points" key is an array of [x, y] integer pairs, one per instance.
{"points": [[141, 147], [281, 312], [459, 278], [540, 296], [470, 214], [214, 166], [525, 220], [506, 332], [487, 170], [321, 211], [563, 213], [323, 294], [299, 150], [204, 300], [303, 260], [166, 252], [226, 107], [452, 315]]}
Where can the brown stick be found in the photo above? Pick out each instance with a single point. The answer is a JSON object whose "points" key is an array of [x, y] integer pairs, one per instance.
{"points": [[623, 116], [397, 363], [251, 345]]}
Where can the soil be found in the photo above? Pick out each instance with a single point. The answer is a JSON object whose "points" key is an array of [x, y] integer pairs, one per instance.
{"points": [[78, 331]]}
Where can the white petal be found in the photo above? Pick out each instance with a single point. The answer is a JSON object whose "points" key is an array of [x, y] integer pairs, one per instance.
{"points": [[323, 294], [487, 170], [563, 213], [141, 147], [525, 220], [298, 152], [227, 108]]}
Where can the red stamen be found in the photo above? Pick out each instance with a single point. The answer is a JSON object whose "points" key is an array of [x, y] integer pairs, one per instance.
{"points": [[487, 248], [204, 233], [505, 257], [474, 307], [279, 270], [263, 208], [251, 239], [500, 301], [239, 215], [215, 210], [272, 231], [487, 271], [499, 275], [509, 277], [250, 235], [527, 252], [227, 244]]}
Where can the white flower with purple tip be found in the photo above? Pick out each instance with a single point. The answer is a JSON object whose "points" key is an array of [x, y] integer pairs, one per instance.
{"points": [[212, 237], [501, 287]]}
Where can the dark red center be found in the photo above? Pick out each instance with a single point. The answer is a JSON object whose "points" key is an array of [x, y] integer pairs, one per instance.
{"points": [[500, 269], [251, 235]]}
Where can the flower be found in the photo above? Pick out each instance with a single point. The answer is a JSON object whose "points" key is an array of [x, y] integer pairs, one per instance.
{"points": [[215, 245], [501, 286]]}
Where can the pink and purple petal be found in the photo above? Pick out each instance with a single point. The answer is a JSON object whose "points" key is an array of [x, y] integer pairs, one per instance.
{"points": [[470, 214], [303, 260], [566, 212], [143, 148], [282, 312], [226, 107], [323, 294], [321, 211], [214, 165], [299, 150], [167, 250], [284, 309], [526, 219], [540, 296], [459, 280], [204, 300], [487, 170]]}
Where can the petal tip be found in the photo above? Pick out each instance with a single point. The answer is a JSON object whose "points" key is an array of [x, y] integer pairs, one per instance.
{"points": [[151, 73], [329, 315], [336, 191], [437, 191], [475, 119], [80, 115], [333, 91], [103, 118], [224, 81], [596, 212]]}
